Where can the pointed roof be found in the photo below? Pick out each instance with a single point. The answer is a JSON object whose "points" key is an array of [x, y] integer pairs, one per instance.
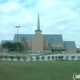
{"points": [[69, 45], [38, 24]]}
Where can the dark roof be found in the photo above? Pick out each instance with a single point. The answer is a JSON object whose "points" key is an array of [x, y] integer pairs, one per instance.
{"points": [[69, 45], [20, 36], [4, 41], [51, 38]]}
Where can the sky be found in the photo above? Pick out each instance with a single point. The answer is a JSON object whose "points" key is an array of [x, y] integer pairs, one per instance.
{"points": [[56, 17]]}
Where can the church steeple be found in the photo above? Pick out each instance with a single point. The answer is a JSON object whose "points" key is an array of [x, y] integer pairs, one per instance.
{"points": [[38, 25]]}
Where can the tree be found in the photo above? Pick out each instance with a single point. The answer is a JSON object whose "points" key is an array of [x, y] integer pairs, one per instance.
{"points": [[52, 57], [24, 58], [56, 57], [1, 57], [31, 58], [18, 57], [78, 50], [61, 57], [37, 58], [6, 57], [42, 57], [7, 45], [48, 57], [67, 57], [12, 46], [78, 57], [72, 57], [12, 57]]}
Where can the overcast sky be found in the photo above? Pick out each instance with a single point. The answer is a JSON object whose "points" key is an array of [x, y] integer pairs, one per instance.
{"points": [[56, 17]]}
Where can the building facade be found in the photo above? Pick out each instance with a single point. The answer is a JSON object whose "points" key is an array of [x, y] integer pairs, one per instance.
{"points": [[39, 42]]}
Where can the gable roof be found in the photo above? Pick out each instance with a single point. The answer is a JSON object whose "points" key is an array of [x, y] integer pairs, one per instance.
{"points": [[51, 38], [20, 36], [69, 45]]}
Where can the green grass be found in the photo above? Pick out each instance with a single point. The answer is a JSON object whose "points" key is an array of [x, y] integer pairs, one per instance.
{"points": [[52, 70]]}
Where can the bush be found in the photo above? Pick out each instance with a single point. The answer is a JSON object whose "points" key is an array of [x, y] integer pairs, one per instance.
{"points": [[67, 57], [48, 57], [12, 57], [72, 57], [18, 58], [61, 57], [56, 57], [1, 57], [31, 58], [37, 58], [6, 57], [24, 58], [42, 57], [78, 57], [52, 57]]}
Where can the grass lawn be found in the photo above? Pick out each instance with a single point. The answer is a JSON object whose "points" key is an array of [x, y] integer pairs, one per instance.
{"points": [[52, 70]]}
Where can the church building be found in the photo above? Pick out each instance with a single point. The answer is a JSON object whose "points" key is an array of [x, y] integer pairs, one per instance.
{"points": [[39, 42]]}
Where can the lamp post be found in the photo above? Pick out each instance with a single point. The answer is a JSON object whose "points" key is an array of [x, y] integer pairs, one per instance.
{"points": [[17, 36], [52, 44]]}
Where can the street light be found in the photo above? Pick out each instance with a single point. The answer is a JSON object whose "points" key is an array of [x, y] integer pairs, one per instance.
{"points": [[17, 36], [52, 45]]}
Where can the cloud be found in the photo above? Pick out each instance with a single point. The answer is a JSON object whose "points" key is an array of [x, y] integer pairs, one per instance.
{"points": [[56, 17]]}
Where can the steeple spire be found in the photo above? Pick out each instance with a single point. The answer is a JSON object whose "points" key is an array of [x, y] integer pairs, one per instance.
{"points": [[38, 25]]}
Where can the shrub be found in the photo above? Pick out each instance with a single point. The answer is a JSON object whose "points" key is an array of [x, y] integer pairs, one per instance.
{"points": [[78, 57], [6, 57], [48, 57], [37, 58], [52, 57], [18, 58], [31, 58], [24, 58], [11, 57], [67, 57], [56, 57], [1, 57], [72, 57], [61, 57], [42, 57]]}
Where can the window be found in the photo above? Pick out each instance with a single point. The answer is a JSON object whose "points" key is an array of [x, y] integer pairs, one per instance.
{"points": [[58, 45], [54, 45]]}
